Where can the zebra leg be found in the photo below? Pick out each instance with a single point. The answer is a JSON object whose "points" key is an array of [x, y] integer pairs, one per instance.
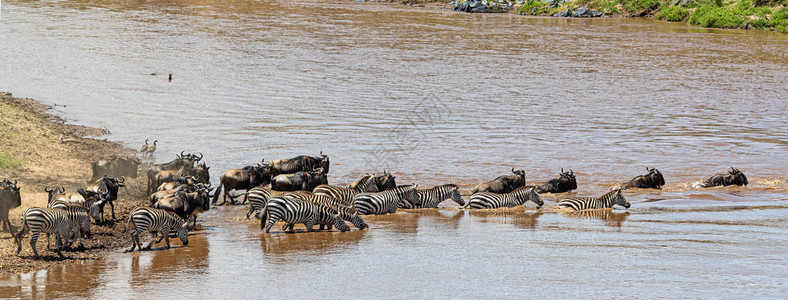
{"points": [[33, 239], [322, 227], [18, 237], [59, 243], [135, 240], [309, 225], [249, 213], [48, 247], [167, 239]]}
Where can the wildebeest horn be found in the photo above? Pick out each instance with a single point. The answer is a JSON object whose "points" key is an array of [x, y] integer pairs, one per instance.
{"points": [[571, 172], [201, 156], [512, 169], [181, 153], [562, 170]]}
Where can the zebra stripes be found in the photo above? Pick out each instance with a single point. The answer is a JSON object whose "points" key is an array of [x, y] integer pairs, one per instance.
{"points": [[345, 195], [430, 198], [47, 220], [258, 197], [514, 198], [158, 220], [327, 218], [605, 201], [344, 212], [79, 217], [93, 208], [289, 210], [387, 201]]}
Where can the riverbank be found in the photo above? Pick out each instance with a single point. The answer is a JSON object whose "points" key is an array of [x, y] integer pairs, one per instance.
{"points": [[38, 150], [744, 14]]}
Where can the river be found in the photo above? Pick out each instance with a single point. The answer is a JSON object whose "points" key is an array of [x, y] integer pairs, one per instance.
{"points": [[435, 97]]}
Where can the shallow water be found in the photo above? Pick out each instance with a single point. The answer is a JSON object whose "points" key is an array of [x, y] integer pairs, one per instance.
{"points": [[435, 97]]}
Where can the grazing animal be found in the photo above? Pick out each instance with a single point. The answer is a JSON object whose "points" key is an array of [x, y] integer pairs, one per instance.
{"points": [[79, 218], [158, 220], [605, 201], [242, 179], [108, 188], [144, 148], [565, 182], [734, 177], [9, 198], [386, 201], [345, 213], [186, 205], [303, 181], [514, 198], [115, 166], [430, 198], [385, 181], [652, 180], [151, 148], [38, 220], [289, 210], [299, 163], [502, 184], [258, 197]]}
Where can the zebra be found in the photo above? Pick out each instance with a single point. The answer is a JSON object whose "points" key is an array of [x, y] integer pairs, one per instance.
{"points": [[79, 217], [387, 201], [259, 196], [345, 195], [294, 211], [366, 183], [93, 208], [345, 212], [327, 217], [605, 201], [157, 220], [39, 220], [514, 198], [430, 198]]}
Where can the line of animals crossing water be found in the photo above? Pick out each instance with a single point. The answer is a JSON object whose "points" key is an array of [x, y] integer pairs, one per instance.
{"points": [[292, 191]]}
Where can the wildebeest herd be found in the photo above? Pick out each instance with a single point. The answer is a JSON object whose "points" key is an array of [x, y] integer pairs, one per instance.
{"points": [[293, 191]]}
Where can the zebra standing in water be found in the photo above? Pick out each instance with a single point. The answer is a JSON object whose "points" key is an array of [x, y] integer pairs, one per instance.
{"points": [[605, 201], [346, 195], [345, 212], [158, 220], [293, 211], [259, 196], [45, 220], [430, 198], [514, 198], [387, 201]]}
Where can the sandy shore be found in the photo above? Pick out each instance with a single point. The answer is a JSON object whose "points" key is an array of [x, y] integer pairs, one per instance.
{"points": [[32, 138]]}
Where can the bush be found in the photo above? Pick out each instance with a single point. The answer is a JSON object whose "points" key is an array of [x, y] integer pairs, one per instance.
{"points": [[604, 6], [673, 14], [638, 5], [533, 7], [714, 16]]}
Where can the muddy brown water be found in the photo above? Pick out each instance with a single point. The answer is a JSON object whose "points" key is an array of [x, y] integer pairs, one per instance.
{"points": [[435, 97]]}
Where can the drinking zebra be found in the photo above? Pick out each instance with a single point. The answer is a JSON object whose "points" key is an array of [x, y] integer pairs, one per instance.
{"points": [[293, 211], [387, 201], [605, 201], [345, 212], [156, 220], [514, 198], [39, 220], [430, 198], [259, 196]]}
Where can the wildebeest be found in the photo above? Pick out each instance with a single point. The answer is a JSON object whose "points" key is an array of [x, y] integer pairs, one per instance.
{"points": [[181, 160], [108, 188], [242, 179], [186, 205], [115, 166], [502, 184], [652, 180], [386, 181], [9, 198], [304, 181], [299, 163], [565, 182], [734, 177]]}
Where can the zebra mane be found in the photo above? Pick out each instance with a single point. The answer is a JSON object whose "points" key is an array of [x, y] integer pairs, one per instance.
{"points": [[610, 194]]}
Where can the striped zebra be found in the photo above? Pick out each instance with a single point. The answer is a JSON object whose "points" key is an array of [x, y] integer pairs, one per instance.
{"points": [[39, 220], [514, 198], [156, 220], [93, 208], [345, 212], [293, 211], [430, 198], [259, 196], [387, 201], [366, 183], [80, 218], [605, 201], [345, 195]]}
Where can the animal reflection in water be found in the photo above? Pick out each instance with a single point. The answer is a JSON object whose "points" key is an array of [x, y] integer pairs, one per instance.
{"points": [[317, 242], [611, 218], [409, 220], [518, 216]]}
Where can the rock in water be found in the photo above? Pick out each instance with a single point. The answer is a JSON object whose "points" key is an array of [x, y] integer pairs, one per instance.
{"points": [[482, 6]]}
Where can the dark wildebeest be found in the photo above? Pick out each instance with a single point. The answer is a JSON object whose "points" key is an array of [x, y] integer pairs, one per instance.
{"points": [[652, 180], [181, 160], [299, 163], [565, 182], [108, 188], [734, 177], [9, 198], [300, 181], [242, 179], [186, 205], [386, 181], [115, 166], [503, 184]]}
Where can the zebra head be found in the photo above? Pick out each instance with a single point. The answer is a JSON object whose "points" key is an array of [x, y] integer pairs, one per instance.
{"points": [[339, 224], [358, 221], [534, 197], [95, 209], [411, 195], [619, 199], [456, 197], [183, 233]]}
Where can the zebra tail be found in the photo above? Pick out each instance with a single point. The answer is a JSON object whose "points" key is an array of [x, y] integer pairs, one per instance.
{"points": [[21, 233], [125, 228], [263, 217]]}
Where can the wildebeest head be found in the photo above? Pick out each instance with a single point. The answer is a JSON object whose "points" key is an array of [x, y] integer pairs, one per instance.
{"points": [[568, 178], [736, 177], [655, 177], [201, 172], [519, 177], [385, 181], [11, 188], [258, 174], [52, 192], [324, 162]]}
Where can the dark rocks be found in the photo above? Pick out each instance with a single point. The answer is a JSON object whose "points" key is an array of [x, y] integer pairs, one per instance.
{"points": [[583, 12], [482, 6]]}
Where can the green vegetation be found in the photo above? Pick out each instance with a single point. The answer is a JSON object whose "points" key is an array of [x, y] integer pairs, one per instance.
{"points": [[633, 6], [7, 161]]}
